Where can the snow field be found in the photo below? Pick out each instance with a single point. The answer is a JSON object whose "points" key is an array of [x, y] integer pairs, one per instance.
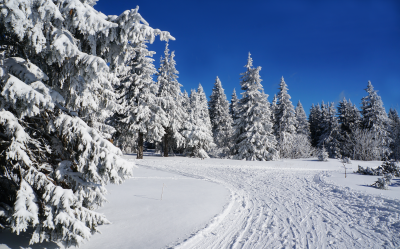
{"points": [[139, 219], [289, 203], [142, 220]]}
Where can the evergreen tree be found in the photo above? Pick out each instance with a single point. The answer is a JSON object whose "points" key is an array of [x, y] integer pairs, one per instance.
{"points": [[330, 130], [375, 119], [394, 133], [171, 100], [221, 120], [273, 108], [349, 121], [315, 120], [198, 132], [233, 106], [53, 79], [203, 108], [301, 146], [186, 99], [253, 129], [140, 111], [302, 124], [285, 121]]}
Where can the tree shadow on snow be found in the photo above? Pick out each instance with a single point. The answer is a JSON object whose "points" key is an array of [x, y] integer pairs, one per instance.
{"points": [[145, 197], [312, 160], [15, 241], [395, 183]]}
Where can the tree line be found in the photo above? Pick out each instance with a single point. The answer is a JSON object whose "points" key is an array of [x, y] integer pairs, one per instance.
{"points": [[251, 127]]}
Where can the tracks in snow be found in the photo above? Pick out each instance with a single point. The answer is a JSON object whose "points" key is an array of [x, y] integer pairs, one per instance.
{"points": [[272, 208]]}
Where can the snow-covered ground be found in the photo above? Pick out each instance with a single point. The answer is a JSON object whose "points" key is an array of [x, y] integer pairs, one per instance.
{"points": [[217, 203]]}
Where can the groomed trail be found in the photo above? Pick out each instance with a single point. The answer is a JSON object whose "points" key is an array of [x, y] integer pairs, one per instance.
{"points": [[286, 205]]}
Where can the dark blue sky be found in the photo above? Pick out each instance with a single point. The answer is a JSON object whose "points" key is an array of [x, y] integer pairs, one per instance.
{"points": [[325, 50]]}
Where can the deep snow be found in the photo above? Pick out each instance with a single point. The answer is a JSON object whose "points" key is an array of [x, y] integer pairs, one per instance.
{"points": [[217, 203]]}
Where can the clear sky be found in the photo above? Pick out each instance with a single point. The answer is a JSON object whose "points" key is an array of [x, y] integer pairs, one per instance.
{"points": [[325, 49]]}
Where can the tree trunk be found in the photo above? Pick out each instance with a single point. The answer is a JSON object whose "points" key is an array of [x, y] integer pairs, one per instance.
{"points": [[140, 146], [166, 138]]}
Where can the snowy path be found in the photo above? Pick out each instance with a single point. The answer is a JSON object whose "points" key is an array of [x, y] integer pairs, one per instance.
{"points": [[287, 205]]}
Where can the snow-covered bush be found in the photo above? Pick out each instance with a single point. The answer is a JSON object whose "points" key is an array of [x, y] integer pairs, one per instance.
{"points": [[346, 160], [366, 145], [387, 167], [365, 171], [383, 183], [56, 90], [301, 147], [322, 154]]}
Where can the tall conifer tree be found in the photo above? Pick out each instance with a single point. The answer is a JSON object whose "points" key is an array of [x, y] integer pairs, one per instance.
{"points": [[302, 124], [330, 130], [253, 128], [198, 134], [140, 112], [285, 121], [233, 106], [349, 121], [221, 120], [375, 119], [394, 133], [171, 100], [315, 121]]}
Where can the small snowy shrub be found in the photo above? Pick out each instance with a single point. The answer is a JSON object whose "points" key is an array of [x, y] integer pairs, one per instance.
{"points": [[322, 154], [383, 183], [388, 167], [346, 160], [365, 171]]}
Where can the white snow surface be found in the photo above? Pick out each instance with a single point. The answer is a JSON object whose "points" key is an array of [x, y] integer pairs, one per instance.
{"points": [[222, 203]]}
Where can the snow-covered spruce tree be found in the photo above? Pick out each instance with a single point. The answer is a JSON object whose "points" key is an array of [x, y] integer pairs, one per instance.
{"points": [[349, 120], [375, 119], [285, 122], [203, 108], [198, 132], [253, 132], [171, 100], [273, 107], [394, 133], [322, 154], [330, 130], [233, 106], [53, 166], [186, 99], [302, 124], [315, 121], [140, 111], [221, 120], [302, 145]]}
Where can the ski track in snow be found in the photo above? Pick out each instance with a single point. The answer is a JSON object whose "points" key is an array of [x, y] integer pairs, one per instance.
{"points": [[288, 208]]}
